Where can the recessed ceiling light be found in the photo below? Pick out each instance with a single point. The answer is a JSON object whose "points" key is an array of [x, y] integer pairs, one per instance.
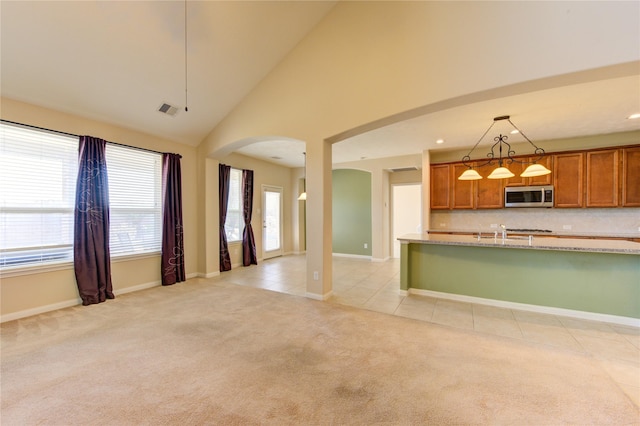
{"points": [[634, 116], [514, 132], [439, 141]]}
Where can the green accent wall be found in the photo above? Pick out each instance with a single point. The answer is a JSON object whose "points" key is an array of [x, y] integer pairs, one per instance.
{"points": [[351, 212], [603, 283]]}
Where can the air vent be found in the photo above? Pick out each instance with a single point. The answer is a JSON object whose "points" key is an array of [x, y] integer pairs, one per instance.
{"points": [[404, 169], [168, 109]]}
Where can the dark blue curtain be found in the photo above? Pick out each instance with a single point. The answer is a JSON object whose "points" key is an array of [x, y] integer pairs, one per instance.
{"points": [[248, 240], [172, 258], [91, 257]]}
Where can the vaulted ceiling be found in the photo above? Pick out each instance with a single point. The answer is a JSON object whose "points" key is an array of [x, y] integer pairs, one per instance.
{"points": [[118, 62]]}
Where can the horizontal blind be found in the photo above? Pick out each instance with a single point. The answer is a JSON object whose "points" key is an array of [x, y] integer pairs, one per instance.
{"points": [[135, 200], [234, 224], [38, 172]]}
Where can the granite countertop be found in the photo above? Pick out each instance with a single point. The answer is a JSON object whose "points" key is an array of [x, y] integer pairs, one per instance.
{"points": [[540, 232], [547, 242]]}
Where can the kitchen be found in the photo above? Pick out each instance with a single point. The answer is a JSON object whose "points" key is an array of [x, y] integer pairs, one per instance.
{"points": [[576, 254]]}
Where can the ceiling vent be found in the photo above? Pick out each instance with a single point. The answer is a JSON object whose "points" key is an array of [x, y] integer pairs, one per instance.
{"points": [[404, 169], [168, 109]]}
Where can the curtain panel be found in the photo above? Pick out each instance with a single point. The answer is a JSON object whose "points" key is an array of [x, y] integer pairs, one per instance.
{"points": [[172, 257], [248, 241], [91, 257], [224, 173]]}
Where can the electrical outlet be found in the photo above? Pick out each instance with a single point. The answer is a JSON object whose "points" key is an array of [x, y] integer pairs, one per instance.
{"points": [[366, 245], [566, 227], [316, 276]]}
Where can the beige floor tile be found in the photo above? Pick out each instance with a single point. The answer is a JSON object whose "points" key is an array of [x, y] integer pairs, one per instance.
{"points": [[579, 327], [387, 306], [421, 312], [497, 326], [607, 348], [631, 334], [549, 334], [454, 314], [622, 372]]}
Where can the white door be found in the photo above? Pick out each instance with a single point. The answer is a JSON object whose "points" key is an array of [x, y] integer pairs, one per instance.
{"points": [[271, 221], [407, 212]]}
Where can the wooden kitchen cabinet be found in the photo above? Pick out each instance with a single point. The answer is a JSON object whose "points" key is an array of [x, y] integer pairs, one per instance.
{"points": [[462, 191], [602, 178], [489, 192], [440, 198], [631, 177], [517, 169], [568, 174], [546, 161]]}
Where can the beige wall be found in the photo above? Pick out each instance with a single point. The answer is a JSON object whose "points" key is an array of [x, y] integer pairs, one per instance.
{"points": [[40, 291], [379, 62]]}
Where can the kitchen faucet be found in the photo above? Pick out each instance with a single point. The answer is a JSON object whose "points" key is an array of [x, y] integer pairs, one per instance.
{"points": [[504, 232]]}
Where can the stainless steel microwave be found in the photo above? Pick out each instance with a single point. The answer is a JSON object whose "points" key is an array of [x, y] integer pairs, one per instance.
{"points": [[528, 196]]}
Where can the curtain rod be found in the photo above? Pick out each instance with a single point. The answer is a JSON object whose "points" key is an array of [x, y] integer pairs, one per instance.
{"points": [[77, 136]]}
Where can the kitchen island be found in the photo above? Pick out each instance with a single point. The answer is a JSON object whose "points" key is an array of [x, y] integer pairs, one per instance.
{"points": [[597, 277]]}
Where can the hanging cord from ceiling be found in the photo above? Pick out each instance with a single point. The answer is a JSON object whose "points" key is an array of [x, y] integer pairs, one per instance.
{"points": [[186, 92]]}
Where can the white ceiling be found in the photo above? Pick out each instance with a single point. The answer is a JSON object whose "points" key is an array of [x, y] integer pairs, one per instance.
{"points": [[96, 60], [119, 61]]}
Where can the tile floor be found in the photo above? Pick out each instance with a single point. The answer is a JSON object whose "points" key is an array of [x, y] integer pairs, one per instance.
{"points": [[375, 286]]}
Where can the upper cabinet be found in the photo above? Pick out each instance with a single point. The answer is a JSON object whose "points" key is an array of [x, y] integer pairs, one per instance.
{"points": [[607, 177], [462, 191], [602, 178], [631, 177], [517, 168], [568, 172], [440, 187], [489, 192]]}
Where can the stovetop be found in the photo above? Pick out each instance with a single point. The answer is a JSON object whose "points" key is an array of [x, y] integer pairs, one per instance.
{"points": [[529, 230]]}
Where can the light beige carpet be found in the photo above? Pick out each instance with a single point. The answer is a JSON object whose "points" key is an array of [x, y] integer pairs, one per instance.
{"points": [[209, 352]]}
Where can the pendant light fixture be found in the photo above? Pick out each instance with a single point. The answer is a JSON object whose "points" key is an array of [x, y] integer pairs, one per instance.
{"points": [[501, 144], [303, 196]]}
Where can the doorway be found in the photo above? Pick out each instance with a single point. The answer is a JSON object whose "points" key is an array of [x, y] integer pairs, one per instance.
{"points": [[271, 221], [407, 212]]}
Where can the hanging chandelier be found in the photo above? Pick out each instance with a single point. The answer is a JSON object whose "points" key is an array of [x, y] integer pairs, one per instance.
{"points": [[503, 157]]}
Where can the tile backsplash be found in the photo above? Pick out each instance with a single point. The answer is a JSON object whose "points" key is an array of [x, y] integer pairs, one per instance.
{"points": [[588, 221]]}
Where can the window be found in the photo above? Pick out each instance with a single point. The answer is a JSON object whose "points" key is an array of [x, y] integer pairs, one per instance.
{"points": [[135, 200], [38, 171], [234, 224]]}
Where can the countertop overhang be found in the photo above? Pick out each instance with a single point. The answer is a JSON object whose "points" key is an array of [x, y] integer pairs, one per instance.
{"points": [[537, 242]]}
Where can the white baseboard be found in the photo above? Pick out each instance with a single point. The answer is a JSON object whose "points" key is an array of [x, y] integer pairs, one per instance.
{"points": [[321, 297], [209, 275], [352, 256], [40, 310], [137, 288], [593, 316]]}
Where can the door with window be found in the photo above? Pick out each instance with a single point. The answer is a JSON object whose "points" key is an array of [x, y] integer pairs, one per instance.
{"points": [[271, 221]]}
